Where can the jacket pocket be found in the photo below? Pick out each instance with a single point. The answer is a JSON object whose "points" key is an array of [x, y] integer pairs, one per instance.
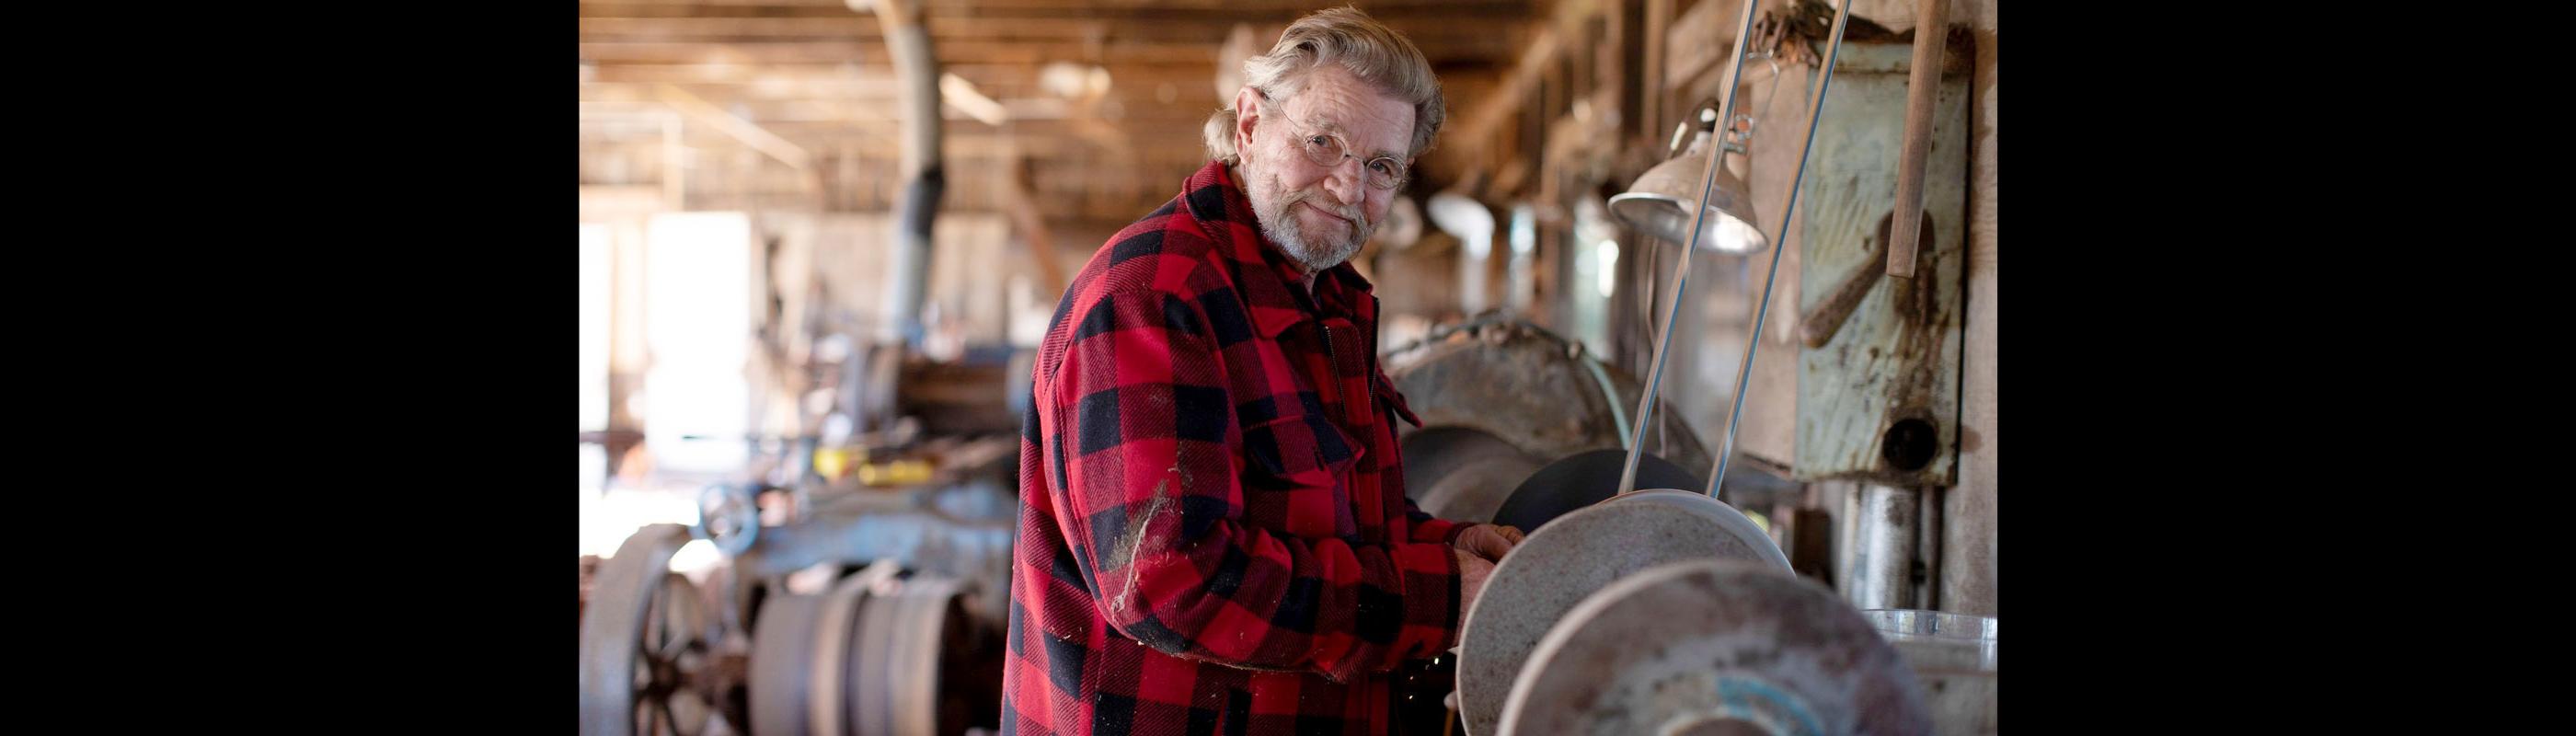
{"points": [[1299, 474]]}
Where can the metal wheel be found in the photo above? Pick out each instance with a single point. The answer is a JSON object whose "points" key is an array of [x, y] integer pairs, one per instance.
{"points": [[933, 628], [801, 656], [870, 703], [1462, 474], [675, 651], [1580, 480], [1715, 647], [836, 648], [1561, 563], [909, 663], [644, 643], [782, 661], [729, 517]]}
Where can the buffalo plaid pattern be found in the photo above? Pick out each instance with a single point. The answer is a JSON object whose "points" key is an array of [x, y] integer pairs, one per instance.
{"points": [[1213, 533]]}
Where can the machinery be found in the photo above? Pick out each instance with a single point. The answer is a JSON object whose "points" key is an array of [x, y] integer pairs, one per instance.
{"points": [[1641, 604], [1659, 610], [1642, 600], [882, 611], [879, 612]]}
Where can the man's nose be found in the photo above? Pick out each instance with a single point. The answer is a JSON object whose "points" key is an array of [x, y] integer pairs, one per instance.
{"points": [[1346, 181]]}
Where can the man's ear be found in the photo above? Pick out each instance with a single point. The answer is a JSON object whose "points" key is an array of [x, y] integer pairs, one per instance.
{"points": [[1247, 112]]}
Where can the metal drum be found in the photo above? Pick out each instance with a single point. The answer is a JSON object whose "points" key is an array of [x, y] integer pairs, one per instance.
{"points": [[1954, 656], [1531, 388]]}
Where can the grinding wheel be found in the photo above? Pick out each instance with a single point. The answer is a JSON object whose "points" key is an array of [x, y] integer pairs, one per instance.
{"points": [[1431, 453], [1583, 479], [1462, 474], [1715, 647], [1557, 566], [1477, 492]]}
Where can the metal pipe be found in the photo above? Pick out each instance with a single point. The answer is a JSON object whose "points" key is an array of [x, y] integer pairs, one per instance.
{"points": [[1927, 548], [1788, 212], [1846, 560], [908, 44], [1681, 279], [1883, 559]]}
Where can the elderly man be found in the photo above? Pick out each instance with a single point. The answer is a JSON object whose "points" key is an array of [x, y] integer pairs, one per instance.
{"points": [[1214, 537]]}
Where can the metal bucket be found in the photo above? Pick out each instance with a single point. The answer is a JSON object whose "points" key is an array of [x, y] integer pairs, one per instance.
{"points": [[1954, 656]]}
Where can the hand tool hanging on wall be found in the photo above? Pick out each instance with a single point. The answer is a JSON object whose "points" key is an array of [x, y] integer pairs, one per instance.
{"points": [[1922, 88]]}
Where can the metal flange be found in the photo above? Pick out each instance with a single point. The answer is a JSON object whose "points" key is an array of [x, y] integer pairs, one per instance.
{"points": [[838, 640], [782, 664]]}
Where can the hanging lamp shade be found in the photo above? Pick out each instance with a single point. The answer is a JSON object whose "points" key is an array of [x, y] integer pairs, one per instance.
{"points": [[1659, 202]]}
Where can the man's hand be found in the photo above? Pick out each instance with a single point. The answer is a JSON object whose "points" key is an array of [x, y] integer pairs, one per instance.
{"points": [[1489, 541], [1472, 571]]}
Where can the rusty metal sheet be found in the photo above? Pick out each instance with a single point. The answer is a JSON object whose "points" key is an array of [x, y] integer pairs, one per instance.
{"points": [[1879, 401]]}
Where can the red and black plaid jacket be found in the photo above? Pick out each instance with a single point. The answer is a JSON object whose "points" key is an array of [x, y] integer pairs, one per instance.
{"points": [[1214, 537]]}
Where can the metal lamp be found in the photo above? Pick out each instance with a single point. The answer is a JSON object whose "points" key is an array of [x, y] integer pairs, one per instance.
{"points": [[1658, 203]]}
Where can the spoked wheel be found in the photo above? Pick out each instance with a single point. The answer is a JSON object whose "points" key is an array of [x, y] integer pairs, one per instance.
{"points": [[644, 648]]}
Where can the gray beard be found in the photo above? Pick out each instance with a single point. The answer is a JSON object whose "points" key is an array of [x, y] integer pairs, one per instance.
{"points": [[1270, 206]]}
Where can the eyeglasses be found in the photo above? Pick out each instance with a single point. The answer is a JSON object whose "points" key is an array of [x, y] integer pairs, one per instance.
{"points": [[1326, 150]]}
